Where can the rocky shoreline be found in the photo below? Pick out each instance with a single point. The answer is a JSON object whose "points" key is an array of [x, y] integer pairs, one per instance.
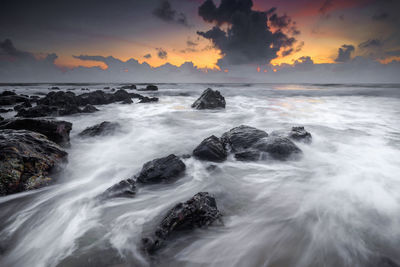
{"points": [[31, 151]]}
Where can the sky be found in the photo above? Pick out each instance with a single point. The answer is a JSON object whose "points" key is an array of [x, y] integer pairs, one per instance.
{"points": [[193, 40]]}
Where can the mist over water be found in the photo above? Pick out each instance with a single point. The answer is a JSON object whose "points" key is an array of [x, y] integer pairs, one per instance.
{"points": [[339, 205]]}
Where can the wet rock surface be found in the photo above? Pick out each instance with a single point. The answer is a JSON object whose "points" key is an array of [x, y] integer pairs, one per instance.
{"points": [[89, 109], [26, 160], [104, 128], [161, 170], [146, 99], [125, 188], [209, 99], [12, 99], [211, 149], [56, 131], [199, 211], [277, 147], [150, 87], [242, 137], [297, 133]]}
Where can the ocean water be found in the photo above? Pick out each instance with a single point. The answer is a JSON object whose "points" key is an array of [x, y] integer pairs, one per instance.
{"points": [[339, 205]]}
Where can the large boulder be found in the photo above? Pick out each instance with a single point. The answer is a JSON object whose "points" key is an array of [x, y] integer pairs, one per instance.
{"points": [[121, 95], [150, 87], [12, 99], [97, 97], [161, 170], [38, 111], [60, 99], [199, 211], [242, 137], [297, 133], [209, 99], [26, 160], [211, 149], [104, 128], [56, 131], [277, 147], [125, 188]]}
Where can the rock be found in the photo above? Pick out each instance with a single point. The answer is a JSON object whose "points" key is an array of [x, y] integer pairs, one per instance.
{"points": [[296, 133], [107, 88], [250, 155], [23, 105], [104, 128], [89, 109], [7, 93], [199, 211], [242, 137], [12, 99], [150, 87], [127, 101], [26, 160], [211, 149], [97, 97], [128, 87], [161, 170], [209, 99], [146, 99], [1, 118], [125, 188], [60, 99], [38, 111], [54, 88], [121, 95], [278, 147], [3, 110], [56, 131], [134, 95]]}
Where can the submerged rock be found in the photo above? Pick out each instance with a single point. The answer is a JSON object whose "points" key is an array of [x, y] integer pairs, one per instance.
{"points": [[278, 147], [211, 149], [199, 211], [23, 105], [296, 133], [56, 131], [161, 170], [146, 99], [209, 99], [125, 188], [26, 160], [129, 87], [89, 109], [242, 137], [104, 128], [150, 87]]}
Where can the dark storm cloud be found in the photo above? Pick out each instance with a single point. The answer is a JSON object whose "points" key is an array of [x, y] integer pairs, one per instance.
{"points": [[162, 53], [325, 6], [147, 56], [165, 12], [7, 48], [249, 38], [380, 16], [344, 53], [371, 43]]}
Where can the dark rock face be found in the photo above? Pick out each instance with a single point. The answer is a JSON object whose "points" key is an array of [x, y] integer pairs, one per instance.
{"points": [[60, 99], [89, 109], [127, 101], [278, 147], [125, 188], [1, 118], [161, 170], [104, 128], [7, 93], [127, 87], [211, 149], [56, 131], [296, 133], [250, 155], [23, 105], [209, 99], [150, 87], [38, 111], [26, 160], [146, 99], [12, 99], [199, 211], [242, 137]]}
